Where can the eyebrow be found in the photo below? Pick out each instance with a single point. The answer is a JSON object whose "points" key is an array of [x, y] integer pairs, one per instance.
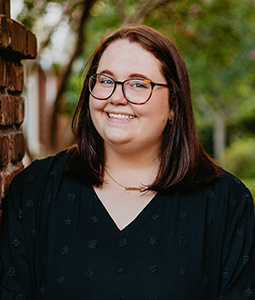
{"points": [[132, 75]]}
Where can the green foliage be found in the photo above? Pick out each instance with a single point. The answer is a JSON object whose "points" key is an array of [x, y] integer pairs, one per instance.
{"points": [[216, 38], [72, 93], [35, 9], [101, 23], [242, 122], [240, 158], [250, 183]]}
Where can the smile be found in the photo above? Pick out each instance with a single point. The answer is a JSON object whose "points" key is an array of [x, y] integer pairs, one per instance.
{"points": [[120, 116]]}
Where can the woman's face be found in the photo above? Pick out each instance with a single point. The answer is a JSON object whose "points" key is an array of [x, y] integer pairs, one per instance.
{"points": [[119, 122]]}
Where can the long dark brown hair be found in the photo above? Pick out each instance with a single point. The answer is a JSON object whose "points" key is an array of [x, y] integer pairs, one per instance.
{"points": [[184, 164]]}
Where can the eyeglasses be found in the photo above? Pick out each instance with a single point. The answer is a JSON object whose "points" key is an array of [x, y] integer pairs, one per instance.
{"points": [[135, 90]]}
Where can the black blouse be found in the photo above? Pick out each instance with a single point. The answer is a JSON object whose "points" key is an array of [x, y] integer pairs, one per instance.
{"points": [[59, 242]]}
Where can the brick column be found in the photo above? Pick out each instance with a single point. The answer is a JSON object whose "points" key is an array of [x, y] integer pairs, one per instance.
{"points": [[16, 43]]}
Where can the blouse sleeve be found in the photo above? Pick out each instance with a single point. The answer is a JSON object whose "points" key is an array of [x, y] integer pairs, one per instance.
{"points": [[16, 267], [22, 219], [238, 258]]}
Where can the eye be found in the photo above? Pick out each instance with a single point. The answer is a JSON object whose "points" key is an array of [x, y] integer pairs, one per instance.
{"points": [[138, 84], [105, 80]]}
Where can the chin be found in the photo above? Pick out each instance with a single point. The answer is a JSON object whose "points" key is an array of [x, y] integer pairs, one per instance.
{"points": [[117, 140]]}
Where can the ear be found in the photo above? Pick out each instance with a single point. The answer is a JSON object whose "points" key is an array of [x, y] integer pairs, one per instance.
{"points": [[171, 116]]}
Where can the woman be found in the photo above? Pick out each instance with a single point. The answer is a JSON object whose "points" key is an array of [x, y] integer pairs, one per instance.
{"points": [[137, 210]]}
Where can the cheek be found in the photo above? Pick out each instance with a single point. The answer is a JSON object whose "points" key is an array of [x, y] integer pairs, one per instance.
{"points": [[160, 107], [96, 108], [96, 104]]}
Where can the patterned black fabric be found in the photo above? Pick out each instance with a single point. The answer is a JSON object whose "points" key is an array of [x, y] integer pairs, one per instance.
{"points": [[59, 242]]}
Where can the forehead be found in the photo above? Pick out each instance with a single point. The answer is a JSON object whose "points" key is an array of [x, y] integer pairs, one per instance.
{"points": [[123, 56]]}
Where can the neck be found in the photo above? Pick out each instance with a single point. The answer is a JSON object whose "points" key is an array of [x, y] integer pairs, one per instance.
{"points": [[136, 160], [132, 169]]}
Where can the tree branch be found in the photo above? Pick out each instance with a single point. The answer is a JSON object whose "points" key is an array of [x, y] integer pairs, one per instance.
{"points": [[64, 78], [145, 9], [67, 7], [121, 10]]}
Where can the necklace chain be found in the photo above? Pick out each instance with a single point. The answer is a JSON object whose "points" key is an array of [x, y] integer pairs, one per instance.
{"points": [[127, 188]]}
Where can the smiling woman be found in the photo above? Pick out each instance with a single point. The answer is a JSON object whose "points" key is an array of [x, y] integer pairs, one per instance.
{"points": [[137, 128], [136, 209]]}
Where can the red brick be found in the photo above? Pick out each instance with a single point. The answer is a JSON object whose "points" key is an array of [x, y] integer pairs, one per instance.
{"points": [[11, 110], [7, 176], [5, 7], [2, 72], [7, 112], [15, 77], [1, 188], [31, 45], [19, 110], [17, 38], [1, 213], [4, 150], [4, 32], [5, 179], [17, 147]]}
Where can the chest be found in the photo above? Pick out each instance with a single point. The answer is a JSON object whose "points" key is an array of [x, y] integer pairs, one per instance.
{"points": [[123, 206], [167, 247]]}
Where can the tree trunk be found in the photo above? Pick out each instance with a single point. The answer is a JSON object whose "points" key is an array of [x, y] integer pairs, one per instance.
{"points": [[65, 75]]}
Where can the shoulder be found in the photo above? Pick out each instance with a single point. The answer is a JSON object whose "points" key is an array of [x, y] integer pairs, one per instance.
{"points": [[224, 196], [231, 187], [232, 201], [40, 170], [42, 166], [30, 186]]}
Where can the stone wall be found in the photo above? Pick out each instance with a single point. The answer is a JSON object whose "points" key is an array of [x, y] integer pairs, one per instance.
{"points": [[16, 43]]}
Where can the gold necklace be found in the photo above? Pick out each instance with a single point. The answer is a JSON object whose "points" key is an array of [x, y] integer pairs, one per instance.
{"points": [[127, 188]]}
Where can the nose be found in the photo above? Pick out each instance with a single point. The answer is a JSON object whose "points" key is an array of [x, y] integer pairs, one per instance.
{"points": [[118, 98]]}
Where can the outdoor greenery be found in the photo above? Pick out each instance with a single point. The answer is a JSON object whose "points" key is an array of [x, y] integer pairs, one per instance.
{"points": [[217, 40]]}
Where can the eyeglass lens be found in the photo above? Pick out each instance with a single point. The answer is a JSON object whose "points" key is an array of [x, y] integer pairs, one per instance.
{"points": [[135, 90]]}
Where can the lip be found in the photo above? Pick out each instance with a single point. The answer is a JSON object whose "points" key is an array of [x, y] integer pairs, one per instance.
{"points": [[119, 116]]}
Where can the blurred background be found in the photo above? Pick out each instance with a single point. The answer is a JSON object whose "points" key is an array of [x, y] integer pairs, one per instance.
{"points": [[215, 37]]}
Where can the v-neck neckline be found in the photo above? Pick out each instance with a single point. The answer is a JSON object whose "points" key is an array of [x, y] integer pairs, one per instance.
{"points": [[133, 223]]}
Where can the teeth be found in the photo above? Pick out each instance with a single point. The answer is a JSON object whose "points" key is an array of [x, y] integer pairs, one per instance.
{"points": [[118, 116]]}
